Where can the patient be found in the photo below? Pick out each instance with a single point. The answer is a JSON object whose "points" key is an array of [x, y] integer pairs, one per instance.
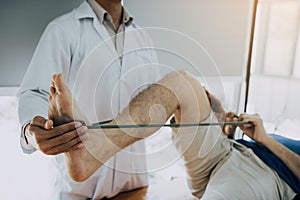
{"points": [[218, 168]]}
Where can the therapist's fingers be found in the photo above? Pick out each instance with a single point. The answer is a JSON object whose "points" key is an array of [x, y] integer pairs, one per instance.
{"points": [[70, 145], [68, 136], [56, 131], [49, 124], [40, 121], [60, 139], [59, 150], [64, 143]]}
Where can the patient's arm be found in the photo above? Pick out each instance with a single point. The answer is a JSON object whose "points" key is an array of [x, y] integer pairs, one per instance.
{"points": [[177, 93], [257, 132]]}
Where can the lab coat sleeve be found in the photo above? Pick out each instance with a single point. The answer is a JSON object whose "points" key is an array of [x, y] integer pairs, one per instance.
{"points": [[52, 55]]}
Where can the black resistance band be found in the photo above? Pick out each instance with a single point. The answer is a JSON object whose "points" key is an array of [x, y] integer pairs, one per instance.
{"points": [[103, 125]]}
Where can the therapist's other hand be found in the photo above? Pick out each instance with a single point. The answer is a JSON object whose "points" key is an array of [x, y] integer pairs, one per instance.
{"points": [[255, 130], [52, 141]]}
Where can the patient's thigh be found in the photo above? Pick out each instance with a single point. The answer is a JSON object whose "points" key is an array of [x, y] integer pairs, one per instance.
{"points": [[202, 149], [245, 176]]}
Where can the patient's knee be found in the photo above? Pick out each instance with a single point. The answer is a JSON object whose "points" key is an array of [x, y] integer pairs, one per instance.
{"points": [[193, 101]]}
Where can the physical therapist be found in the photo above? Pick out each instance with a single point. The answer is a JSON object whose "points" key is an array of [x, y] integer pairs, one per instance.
{"points": [[101, 34]]}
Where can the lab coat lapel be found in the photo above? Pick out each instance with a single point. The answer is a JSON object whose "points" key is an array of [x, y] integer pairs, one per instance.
{"points": [[105, 36], [130, 44]]}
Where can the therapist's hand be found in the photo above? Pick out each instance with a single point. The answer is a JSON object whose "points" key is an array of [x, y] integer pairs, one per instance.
{"points": [[52, 141]]}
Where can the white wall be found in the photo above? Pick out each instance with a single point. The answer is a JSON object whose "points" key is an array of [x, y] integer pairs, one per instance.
{"points": [[222, 27]]}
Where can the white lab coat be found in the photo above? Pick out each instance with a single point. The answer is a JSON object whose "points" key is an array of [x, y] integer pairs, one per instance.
{"points": [[73, 44]]}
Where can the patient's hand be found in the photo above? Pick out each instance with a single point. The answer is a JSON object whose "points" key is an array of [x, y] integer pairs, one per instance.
{"points": [[255, 130], [229, 130]]}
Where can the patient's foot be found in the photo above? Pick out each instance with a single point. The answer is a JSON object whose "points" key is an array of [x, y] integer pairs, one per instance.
{"points": [[60, 108]]}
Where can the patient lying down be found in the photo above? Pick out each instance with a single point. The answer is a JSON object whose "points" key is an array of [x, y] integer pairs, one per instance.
{"points": [[213, 162]]}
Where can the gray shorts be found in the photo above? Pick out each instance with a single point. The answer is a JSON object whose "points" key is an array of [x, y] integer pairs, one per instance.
{"points": [[219, 168]]}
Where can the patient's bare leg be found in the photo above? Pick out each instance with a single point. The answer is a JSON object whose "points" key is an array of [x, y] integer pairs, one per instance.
{"points": [[63, 109], [177, 93]]}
